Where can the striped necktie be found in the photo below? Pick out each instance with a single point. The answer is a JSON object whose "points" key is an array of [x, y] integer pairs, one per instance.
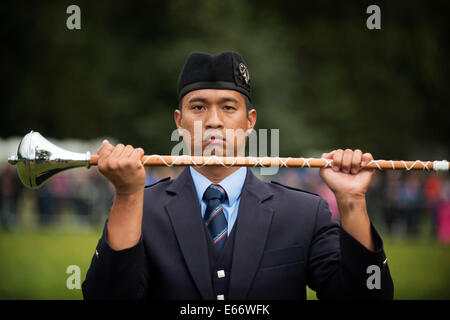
{"points": [[214, 217]]}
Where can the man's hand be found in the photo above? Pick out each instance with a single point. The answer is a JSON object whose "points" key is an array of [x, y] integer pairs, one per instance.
{"points": [[123, 167], [349, 183], [346, 178]]}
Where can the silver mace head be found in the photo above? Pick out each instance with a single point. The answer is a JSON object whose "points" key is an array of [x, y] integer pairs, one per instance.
{"points": [[38, 160]]}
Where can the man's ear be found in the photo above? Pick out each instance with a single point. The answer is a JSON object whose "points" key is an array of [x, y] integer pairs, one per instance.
{"points": [[177, 117], [251, 120]]}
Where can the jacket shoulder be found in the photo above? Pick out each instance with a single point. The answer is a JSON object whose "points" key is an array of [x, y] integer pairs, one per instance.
{"points": [[295, 189], [158, 182]]}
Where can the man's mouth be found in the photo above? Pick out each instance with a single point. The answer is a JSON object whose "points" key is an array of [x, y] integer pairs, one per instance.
{"points": [[213, 139]]}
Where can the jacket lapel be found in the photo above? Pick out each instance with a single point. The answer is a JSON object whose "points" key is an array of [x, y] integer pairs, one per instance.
{"points": [[184, 213], [254, 219]]}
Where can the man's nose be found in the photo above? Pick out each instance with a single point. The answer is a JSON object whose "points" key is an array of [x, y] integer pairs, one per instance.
{"points": [[214, 119]]}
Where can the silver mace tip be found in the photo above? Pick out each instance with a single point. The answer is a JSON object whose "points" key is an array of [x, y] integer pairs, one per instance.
{"points": [[13, 160], [38, 160]]}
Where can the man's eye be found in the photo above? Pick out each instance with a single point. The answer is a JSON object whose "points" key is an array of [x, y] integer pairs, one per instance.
{"points": [[228, 108], [197, 107]]}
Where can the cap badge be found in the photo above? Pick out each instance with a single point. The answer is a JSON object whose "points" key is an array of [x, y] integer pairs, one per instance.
{"points": [[244, 72]]}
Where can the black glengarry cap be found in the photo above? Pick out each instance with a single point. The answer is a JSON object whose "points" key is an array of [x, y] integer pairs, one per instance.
{"points": [[226, 70]]}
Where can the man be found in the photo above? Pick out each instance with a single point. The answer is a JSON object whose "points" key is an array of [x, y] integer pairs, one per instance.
{"points": [[221, 233]]}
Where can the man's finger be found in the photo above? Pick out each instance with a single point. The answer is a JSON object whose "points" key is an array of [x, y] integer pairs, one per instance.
{"points": [[337, 159], [136, 155], [117, 151], [347, 160], [127, 151], [105, 149], [99, 150], [328, 155], [366, 158], [356, 161]]}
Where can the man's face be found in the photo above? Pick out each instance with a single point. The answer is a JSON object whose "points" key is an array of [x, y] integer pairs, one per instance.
{"points": [[213, 113]]}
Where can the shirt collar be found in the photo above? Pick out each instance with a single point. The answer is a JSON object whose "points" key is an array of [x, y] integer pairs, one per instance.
{"points": [[232, 184]]}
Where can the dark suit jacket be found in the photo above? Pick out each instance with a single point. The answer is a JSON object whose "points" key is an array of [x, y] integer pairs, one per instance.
{"points": [[285, 239]]}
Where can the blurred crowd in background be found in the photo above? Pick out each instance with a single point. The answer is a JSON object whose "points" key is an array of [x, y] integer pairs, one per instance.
{"points": [[399, 203]]}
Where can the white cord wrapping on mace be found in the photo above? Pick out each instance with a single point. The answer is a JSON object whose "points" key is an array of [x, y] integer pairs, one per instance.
{"points": [[289, 162]]}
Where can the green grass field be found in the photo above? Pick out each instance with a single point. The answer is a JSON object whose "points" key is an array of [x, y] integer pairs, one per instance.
{"points": [[33, 264]]}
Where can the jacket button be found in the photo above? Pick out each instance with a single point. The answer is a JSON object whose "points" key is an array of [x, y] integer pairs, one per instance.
{"points": [[221, 274], [220, 297]]}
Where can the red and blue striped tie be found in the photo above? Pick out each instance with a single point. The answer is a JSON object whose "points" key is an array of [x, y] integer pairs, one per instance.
{"points": [[214, 217]]}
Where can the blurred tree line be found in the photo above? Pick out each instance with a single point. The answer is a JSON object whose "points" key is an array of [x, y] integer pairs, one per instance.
{"points": [[318, 74]]}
